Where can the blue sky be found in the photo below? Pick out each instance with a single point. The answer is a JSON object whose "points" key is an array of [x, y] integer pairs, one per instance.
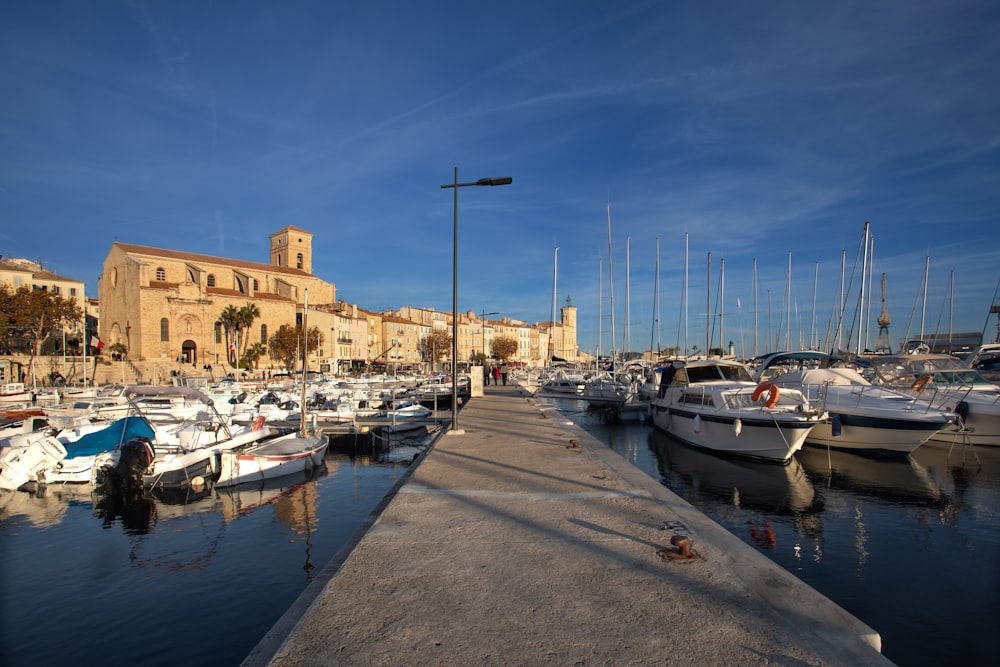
{"points": [[768, 131]]}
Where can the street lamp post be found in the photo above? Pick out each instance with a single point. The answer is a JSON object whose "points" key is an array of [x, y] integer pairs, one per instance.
{"points": [[483, 320], [505, 180]]}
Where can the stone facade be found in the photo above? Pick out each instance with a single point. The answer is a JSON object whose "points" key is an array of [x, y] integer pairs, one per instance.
{"points": [[164, 305]]}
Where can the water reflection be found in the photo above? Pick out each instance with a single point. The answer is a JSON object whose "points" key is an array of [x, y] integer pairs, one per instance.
{"points": [[893, 480], [737, 482], [46, 506], [34, 509]]}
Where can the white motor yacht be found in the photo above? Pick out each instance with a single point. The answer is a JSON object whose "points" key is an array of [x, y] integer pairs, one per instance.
{"points": [[862, 416], [714, 404]]}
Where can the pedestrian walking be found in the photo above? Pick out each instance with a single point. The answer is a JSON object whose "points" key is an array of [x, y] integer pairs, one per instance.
{"points": [[503, 373], [486, 374], [496, 375]]}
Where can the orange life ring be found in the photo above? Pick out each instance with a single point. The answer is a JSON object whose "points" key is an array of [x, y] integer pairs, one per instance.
{"points": [[921, 383], [772, 394], [258, 423]]}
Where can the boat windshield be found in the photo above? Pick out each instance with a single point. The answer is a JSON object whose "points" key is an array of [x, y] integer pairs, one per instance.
{"points": [[969, 378], [715, 373]]}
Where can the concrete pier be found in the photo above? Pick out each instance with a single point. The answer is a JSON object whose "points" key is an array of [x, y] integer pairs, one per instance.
{"points": [[521, 540]]}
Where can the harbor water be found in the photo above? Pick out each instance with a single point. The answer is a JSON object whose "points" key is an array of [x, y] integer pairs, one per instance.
{"points": [[176, 580], [911, 547]]}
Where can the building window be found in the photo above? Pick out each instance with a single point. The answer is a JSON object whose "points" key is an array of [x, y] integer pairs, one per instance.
{"points": [[298, 261], [164, 329], [161, 274], [256, 285], [240, 287], [263, 334], [72, 291], [218, 332], [211, 280], [56, 289]]}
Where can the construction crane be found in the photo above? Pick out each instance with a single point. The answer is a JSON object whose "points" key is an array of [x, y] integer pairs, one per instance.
{"points": [[882, 344]]}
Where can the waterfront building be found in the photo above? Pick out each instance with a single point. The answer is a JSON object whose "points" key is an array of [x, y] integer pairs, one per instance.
{"points": [[402, 338], [374, 348], [164, 305], [17, 273], [476, 334]]}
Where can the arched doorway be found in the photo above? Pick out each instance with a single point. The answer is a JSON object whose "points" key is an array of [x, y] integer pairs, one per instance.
{"points": [[189, 352]]}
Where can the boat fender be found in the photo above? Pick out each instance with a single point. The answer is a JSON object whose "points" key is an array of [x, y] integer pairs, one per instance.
{"points": [[772, 394], [697, 423], [836, 425], [921, 383], [258, 423], [737, 426]]}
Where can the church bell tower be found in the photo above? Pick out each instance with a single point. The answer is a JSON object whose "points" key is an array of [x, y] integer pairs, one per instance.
{"points": [[292, 247]]}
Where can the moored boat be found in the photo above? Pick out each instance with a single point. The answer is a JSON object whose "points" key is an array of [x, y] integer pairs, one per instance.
{"points": [[714, 404], [862, 416], [284, 455], [943, 382], [181, 454]]}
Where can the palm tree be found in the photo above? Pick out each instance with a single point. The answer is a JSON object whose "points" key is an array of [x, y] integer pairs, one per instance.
{"points": [[230, 321], [253, 355], [246, 316]]}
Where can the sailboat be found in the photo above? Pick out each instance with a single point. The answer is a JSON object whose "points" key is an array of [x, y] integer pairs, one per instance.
{"points": [[288, 454], [612, 389]]}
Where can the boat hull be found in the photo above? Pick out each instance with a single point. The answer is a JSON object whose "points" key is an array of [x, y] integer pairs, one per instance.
{"points": [[873, 434], [282, 456], [763, 438]]}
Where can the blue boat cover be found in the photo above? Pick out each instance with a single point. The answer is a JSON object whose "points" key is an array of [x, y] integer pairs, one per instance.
{"points": [[108, 438]]}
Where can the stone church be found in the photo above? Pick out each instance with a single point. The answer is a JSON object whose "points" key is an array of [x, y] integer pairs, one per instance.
{"points": [[164, 305]]}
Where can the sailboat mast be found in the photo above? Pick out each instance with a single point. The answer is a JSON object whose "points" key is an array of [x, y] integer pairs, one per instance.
{"points": [[626, 331], [682, 313], [788, 303], [552, 330], [951, 307], [755, 306], [843, 297], [86, 380], [611, 287], [708, 308], [686, 297], [923, 309], [600, 296], [812, 328], [864, 278], [654, 334], [722, 304], [305, 359]]}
